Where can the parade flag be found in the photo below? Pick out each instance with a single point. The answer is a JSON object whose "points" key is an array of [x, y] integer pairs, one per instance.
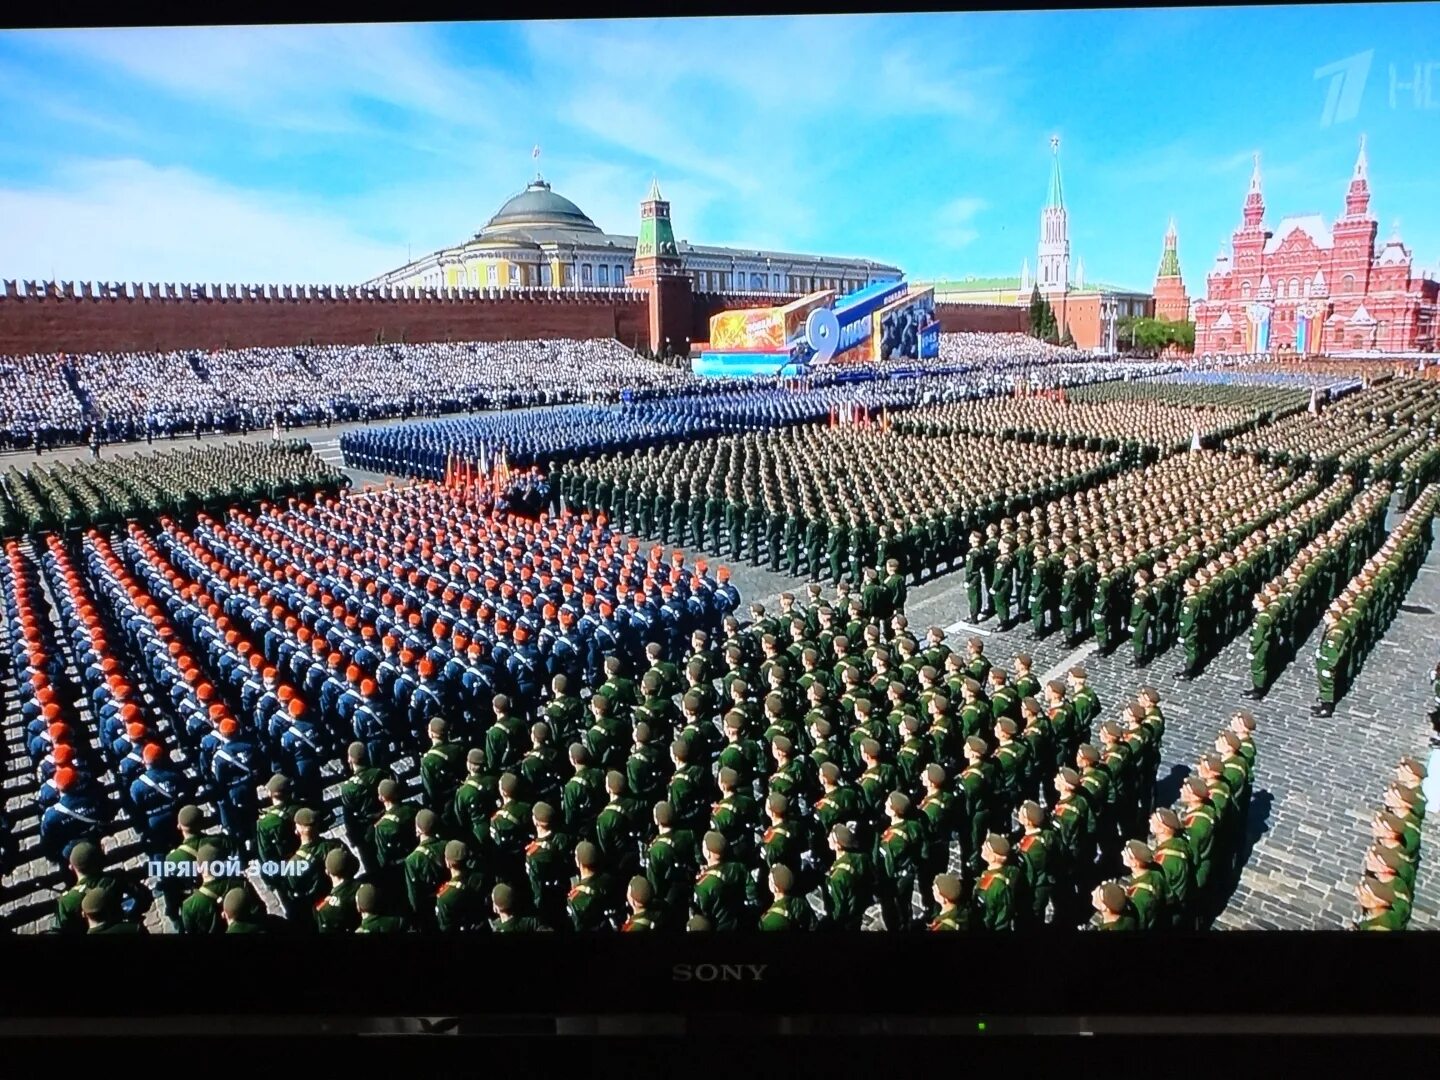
{"points": [[832, 416], [1195, 440], [449, 469], [1314, 401]]}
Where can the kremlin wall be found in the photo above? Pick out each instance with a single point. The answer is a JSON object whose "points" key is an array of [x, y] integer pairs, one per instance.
{"points": [[86, 317]]}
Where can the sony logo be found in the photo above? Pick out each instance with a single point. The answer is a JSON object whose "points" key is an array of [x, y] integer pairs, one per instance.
{"points": [[718, 972]]}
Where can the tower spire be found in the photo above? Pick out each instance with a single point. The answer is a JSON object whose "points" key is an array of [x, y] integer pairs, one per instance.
{"points": [[1357, 196], [1057, 196], [1052, 267], [1255, 200], [1170, 256]]}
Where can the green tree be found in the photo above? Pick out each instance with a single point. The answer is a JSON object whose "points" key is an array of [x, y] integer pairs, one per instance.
{"points": [[1038, 307], [1067, 339]]}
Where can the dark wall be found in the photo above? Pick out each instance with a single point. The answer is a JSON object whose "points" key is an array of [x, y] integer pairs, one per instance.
{"points": [[62, 324], [982, 318]]}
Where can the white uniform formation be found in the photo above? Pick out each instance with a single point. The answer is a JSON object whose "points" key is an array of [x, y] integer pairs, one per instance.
{"points": [[1002, 350]]}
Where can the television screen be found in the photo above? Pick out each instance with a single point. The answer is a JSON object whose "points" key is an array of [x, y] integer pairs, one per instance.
{"points": [[378, 561]]}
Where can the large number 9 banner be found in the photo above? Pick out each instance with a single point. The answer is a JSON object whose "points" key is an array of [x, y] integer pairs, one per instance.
{"points": [[822, 333]]}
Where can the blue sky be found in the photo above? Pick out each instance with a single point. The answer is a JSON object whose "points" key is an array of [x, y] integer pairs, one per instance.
{"points": [[323, 154]]}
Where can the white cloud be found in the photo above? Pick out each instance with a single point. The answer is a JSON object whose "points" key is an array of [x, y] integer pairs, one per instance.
{"points": [[305, 78], [129, 221], [955, 223]]}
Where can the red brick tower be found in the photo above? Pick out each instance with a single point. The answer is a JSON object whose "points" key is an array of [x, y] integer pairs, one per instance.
{"points": [[659, 271], [1170, 300]]}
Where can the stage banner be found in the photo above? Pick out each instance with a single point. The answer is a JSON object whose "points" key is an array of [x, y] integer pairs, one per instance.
{"points": [[898, 325], [748, 330], [794, 314]]}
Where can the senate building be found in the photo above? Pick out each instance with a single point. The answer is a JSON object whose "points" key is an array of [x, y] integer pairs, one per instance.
{"points": [[540, 239]]}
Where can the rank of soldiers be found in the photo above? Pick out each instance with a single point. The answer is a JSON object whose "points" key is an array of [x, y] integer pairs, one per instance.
{"points": [[1366, 434], [1179, 876], [1290, 604], [173, 481], [827, 502], [1356, 619], [1107, 417], [1143, 556], [1385, 893]]}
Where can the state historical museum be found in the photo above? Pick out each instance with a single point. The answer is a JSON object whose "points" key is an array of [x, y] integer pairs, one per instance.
{"points": [[1308, 288]]}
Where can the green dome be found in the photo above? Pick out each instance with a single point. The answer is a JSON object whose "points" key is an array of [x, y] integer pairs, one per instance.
{"points": [[538, 206]]}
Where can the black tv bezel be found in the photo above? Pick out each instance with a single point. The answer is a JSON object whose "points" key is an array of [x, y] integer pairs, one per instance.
{"points": [[1322, 973]]}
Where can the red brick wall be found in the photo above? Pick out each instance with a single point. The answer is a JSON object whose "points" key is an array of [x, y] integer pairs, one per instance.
{"points": [[982, 318], [64, 324]]}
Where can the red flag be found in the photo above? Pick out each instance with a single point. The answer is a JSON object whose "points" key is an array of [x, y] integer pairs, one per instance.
{"points": [[449, 469]]}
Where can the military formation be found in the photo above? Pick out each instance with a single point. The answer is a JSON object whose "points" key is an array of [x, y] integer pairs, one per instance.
{"points": [[1367, 434], [145, 486], [790, 773], [1085, 419], [1386, 890], [1150, 557], [407, 709], [1356, 619], [826, 502], [1290, 604]]}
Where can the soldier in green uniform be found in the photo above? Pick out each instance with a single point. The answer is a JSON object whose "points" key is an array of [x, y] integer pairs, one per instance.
{"points": [[240, 915], [393, 839], [1145, 887], [301, 890], [938, 806], [645, 912], [360, 802], [975, 575], [1329, 664], [948, 895], [424, 869], [335, 911], [1142, 614], [275, 839], [1264, 650], [373, 920], [902, 849], [475, 801], [720, 887], [671, 862], [1172, 858], [1200, 834], [127, 895], [548, 859], [1377, 906], [1040, 862], [1112, 907], [848, 886], [788, 910], [995, 891], [100, 911], [200, 913], [591, 901], [1071, 816], [442, 768], [978, 784], [508, 920], [172, 886]]}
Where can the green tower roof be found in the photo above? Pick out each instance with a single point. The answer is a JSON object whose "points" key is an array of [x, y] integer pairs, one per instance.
{"points": [[1057, 198]]}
